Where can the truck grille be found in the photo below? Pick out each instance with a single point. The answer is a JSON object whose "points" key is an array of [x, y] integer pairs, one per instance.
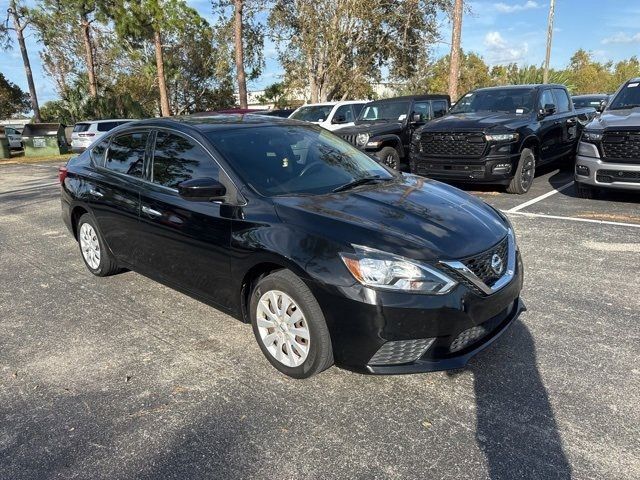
{"points": [[480, 264], [460, 144], [609, 176], [621, 147], [351, 138]]}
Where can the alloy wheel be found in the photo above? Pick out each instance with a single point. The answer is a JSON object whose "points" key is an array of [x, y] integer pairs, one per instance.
{"points": [[528, 172], [283, 328], [90, 246]]}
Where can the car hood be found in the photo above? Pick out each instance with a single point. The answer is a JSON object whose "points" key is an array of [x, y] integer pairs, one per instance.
{"points": [[482, 121], [413, 216], [614, 119], [371, 128]]}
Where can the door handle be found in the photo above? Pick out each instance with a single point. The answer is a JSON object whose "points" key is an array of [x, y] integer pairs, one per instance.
{"points": [[151, 212], [96, 193]]}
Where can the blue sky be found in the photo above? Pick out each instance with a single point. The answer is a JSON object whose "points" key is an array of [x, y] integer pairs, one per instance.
{"points": [[501, 31]]}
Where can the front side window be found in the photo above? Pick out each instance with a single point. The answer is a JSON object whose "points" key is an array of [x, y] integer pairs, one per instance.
{"points": [[562, 100], [546, 98], [439, 109], [176, 159], [344, 114], [294, 160], [422, 109], [126, 153]]}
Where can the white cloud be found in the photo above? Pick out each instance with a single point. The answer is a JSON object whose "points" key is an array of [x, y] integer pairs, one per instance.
{"points": [[622, 38], [500, 50], [506, 8]]}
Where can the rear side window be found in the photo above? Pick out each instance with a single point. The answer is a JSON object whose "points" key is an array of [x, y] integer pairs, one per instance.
{"points": [[176, 159], [81, 127], [439, 108], [97, 152], [106, 126], [562, 100], [357, 108], [126, 153]]}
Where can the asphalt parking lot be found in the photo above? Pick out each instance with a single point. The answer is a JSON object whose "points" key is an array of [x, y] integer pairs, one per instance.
{"points": [[121, 377]]}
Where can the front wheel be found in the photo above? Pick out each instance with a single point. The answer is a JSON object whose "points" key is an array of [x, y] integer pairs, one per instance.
{"points": [[289, 325], [524, 174], [390, 157]]}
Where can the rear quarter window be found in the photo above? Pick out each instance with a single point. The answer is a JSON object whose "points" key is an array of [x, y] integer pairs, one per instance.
{"points": [[126, 153], [106, 126], [81, 127]]}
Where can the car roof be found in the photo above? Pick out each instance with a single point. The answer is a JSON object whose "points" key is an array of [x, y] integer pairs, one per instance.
{"points": [[108, 120], [413, 97], [587, 95]]}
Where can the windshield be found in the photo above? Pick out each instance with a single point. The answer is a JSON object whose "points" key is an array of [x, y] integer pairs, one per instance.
{"points": [[389, 111], [583, 102], [508, 100], [312, 113], [628, 97], [293, 160]]}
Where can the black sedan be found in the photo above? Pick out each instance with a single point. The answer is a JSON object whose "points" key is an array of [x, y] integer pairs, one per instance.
{"points": [[328, 254]]}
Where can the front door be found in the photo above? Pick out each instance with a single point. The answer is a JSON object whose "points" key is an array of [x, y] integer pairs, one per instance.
{"points": [[185, 243], [551, 129]]}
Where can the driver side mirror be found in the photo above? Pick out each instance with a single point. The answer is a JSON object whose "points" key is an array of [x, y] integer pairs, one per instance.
{"points": [[339, 119], [416, 118], [202, 190], [602, 106], [549, 109]]}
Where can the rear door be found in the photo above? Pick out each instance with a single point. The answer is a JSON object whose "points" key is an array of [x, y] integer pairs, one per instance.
{"points": [[568, 122], [113, 191], [185, 243]]}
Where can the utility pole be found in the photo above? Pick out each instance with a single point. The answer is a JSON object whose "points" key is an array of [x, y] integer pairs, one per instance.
{"points": [[19, 27], [238, 6], [545, 76], [454, 56]]}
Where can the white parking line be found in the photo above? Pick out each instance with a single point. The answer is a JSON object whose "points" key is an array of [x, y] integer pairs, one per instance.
{"points": [[33, 187], [572, 219], [541, 197]]}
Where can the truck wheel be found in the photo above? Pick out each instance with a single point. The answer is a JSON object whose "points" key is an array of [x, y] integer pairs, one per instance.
{"points": [[585, 191], [390, 157], [525, 172]]}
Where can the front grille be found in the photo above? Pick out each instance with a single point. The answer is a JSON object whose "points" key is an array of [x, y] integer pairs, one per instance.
{"points": [[621, 147], [610, 176], [454, 170], [461, 144], [401, 351], [481, 266], [350, 138]]}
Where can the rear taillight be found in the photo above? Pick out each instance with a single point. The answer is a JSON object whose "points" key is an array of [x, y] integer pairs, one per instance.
{"points": [[62, 174]]}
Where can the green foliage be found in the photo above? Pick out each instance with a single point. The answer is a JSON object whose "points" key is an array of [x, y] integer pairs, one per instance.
{"points": [[12, 99], [275, 93]]}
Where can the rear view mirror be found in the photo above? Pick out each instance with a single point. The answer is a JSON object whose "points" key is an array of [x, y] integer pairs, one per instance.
{"points": [[202, 190]]}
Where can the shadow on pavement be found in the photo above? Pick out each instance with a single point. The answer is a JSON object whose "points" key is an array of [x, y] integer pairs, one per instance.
{"points": [[516, 428]]}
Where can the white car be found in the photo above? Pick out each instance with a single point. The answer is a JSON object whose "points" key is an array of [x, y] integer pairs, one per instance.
{"points": [[330, 115], [14, 137], [85, 133]]}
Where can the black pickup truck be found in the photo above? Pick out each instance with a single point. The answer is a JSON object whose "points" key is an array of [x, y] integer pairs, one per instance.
{"points": [[384, 127], [499, 135]]}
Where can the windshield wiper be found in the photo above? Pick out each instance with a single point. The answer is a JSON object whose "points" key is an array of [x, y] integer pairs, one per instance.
{"points": [[358, 182]]}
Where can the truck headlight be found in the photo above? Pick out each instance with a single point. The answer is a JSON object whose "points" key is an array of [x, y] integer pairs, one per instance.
{"points": [[386, 271], [362, 139], [502, 137], [591, 136]]}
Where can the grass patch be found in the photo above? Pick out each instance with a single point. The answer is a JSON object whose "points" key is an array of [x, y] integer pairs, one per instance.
{"points": [[20, 158]]}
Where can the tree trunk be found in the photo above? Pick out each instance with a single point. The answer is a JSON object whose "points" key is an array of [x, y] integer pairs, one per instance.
{"points": [[27, 64], [162, 86], [454, 57], [237, 32], [88, 51]]}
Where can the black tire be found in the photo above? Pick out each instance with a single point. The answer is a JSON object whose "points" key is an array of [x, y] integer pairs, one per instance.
{"points": [[585, 191], [524, 174], [320, 353], [107, 265], [389, 157]]}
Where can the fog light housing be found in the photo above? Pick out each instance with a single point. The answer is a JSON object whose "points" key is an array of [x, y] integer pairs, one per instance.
{"points": [[401, 351], [501, 168], [582, 170]]}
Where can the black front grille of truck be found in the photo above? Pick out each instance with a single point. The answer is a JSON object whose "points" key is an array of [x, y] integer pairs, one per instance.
{"points": [[480, 264], [610, 176], [460, 144], [350, 138], [622, 147]]}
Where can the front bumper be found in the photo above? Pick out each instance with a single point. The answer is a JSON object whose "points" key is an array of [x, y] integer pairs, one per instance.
{"points": [[489, 170], [622, 176], [461, 323]]}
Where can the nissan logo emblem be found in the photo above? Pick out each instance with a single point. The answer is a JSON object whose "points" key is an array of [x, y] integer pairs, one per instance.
{"points": [[496, 264]]}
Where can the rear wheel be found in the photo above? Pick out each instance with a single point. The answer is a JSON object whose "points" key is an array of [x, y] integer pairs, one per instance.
{"points": [[524, 174], [96, 257], [289, 325], [585, 191], [390, 157]]}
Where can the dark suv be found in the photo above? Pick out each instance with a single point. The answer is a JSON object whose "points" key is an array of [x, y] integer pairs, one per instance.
{"points": [[384, 127]]}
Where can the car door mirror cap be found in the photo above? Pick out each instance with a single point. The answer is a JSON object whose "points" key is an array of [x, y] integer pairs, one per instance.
{"points": [[202, 190], [549, 109]]}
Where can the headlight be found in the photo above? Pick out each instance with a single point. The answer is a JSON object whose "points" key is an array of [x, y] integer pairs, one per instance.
{"points": [[386, 271], [589, 136], [362, 139], [502, 137]]}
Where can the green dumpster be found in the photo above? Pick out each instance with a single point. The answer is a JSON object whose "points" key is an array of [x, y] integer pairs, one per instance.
{"points": [[4, 144], [42, 139]]}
